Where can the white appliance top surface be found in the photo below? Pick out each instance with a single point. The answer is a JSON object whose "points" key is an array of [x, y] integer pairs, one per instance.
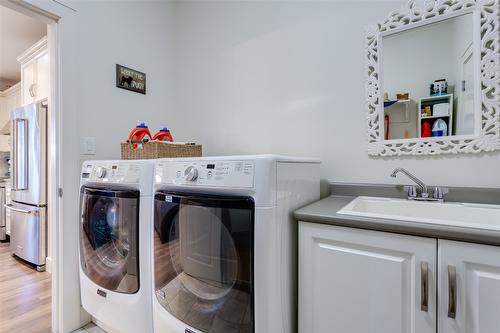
{"points": [[220, 173], [118, 172], [250, 174], [270, 157]]}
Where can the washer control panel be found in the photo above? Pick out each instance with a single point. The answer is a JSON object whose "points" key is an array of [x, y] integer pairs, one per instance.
{"points": [[108, 172], [207, 173]]}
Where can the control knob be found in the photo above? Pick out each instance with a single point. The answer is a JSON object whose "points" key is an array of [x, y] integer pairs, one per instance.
{"points": [[191, 173], [100, 172]]}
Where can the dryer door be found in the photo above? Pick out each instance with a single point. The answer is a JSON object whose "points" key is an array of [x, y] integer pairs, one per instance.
{"points": [[203, 260], [109, 237]]}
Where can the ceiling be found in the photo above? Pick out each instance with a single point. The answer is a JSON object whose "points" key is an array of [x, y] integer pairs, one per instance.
{"points": [[17, 33]]}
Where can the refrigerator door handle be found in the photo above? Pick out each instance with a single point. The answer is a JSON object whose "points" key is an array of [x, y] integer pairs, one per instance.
{"points": [[20, 167], [14, 154], [30, 212]]}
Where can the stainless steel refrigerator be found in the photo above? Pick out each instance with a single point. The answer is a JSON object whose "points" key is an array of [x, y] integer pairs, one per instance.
{"points": [[28, 210]]}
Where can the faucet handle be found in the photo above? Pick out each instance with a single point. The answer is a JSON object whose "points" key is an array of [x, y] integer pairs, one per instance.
{"points": [[439, 192], [411, 190]]}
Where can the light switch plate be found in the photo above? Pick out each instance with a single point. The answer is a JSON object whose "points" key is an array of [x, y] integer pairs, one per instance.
{"points": [[88, 145]]}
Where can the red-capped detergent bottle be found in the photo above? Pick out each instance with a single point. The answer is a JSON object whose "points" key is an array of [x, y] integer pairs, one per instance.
{"points": [[163, 135], [426, 129], [140, 132]]}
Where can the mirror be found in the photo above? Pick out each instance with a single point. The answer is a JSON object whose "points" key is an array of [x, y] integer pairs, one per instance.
{"points": [[428, 80], [433, 79]]}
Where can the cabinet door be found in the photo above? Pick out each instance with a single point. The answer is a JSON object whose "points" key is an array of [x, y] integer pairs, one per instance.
{"points": [[4, 144], [42, 76], [9, 107], [13, 101], [27, 82], [4, 118], [3, 106], [360, 281], [469, 288]]}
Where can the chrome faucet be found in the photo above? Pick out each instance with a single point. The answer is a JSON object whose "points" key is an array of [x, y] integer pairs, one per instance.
{"points": [[420, 184], [413, 194]]}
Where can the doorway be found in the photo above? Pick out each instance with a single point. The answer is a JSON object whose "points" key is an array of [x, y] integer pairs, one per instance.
{"points": [[27, 135], [465, 119]]}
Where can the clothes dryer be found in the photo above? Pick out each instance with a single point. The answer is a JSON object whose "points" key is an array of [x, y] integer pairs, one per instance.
{"points": [[225, 242]]}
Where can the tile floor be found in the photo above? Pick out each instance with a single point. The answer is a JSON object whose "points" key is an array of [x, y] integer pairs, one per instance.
{"points": [[231, 315], [90, 328]]}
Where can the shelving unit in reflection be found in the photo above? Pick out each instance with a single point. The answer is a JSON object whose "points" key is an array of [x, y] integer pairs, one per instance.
{"points": [[431, 102]]}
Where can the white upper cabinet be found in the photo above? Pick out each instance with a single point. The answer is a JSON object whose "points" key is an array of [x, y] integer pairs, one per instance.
{"points": [[27, 82], [3, 111], [469, 288], [35, 72], [42, 76], [10, 100], [361, 281]]}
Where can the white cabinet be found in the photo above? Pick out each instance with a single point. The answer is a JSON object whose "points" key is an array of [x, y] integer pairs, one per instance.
{"points": [[469, 288], [27, 82], [3, 111], [35, 72], [41, 88], [11, 99], [361, 281]]}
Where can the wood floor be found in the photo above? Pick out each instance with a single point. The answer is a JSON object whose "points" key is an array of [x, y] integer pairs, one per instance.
{"points": [[25, 296]]}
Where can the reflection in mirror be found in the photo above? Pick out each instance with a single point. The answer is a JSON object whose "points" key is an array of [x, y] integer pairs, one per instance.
{"points": [[428, 80]]}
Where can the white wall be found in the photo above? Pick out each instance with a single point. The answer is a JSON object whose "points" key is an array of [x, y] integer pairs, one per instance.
{"points": [[415, 58], [288, 77], [136, 34]]}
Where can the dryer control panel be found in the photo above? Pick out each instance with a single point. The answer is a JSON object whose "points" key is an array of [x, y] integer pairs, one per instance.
{"points": [[207, 173], [108, 172]]}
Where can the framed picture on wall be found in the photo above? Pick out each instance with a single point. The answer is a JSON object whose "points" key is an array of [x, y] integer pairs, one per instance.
{"points": [[130, 79]]}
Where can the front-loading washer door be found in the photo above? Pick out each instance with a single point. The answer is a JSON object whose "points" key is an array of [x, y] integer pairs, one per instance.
{"points": [[203, 260], [109, 237]]}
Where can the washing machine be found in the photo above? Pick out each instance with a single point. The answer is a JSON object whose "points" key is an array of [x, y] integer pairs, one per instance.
{"points": [[225, 242], [116, 198]]}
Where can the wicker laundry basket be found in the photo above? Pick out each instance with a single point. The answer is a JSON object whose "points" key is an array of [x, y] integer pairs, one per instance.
{"points": [[158, 149]]}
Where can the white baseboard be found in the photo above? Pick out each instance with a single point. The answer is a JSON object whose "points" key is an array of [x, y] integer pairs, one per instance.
{"points": [[48, 265], [85, 318], [102, 327]]}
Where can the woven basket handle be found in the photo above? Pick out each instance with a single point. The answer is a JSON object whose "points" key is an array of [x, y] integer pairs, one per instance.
{"points": [[138, 141], [137, 144]]}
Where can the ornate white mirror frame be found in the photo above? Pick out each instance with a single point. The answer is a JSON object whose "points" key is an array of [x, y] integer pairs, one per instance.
{"points": [[410, 16]]}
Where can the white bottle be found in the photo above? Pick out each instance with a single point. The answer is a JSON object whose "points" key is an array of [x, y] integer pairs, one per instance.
{"points": [[439, 128]]}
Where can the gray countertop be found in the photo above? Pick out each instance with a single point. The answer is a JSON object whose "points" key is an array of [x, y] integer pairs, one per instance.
{"points": [[325, 212]]}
